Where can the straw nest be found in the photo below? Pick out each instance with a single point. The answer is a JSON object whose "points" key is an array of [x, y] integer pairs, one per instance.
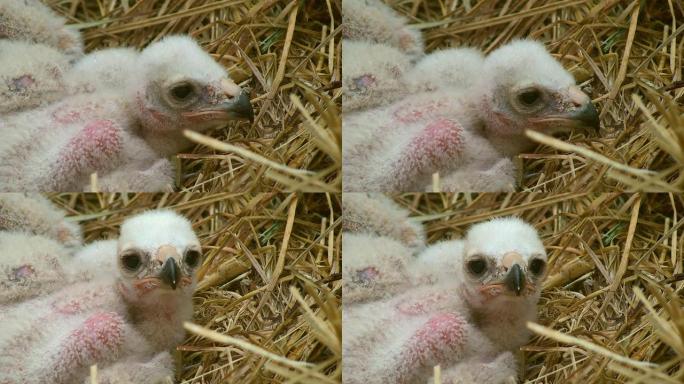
{"points": [[627, 55], [267, 308], [286, 52], [611, 310]]}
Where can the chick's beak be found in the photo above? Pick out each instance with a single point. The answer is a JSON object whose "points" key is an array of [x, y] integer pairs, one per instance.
{"points": [[238, 105], [585, 114], [241, 107], [170, 272], [515, 279], [577, 111]]}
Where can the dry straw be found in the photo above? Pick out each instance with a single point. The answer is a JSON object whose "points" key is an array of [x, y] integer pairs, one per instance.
{"points": [[287, 52], [611, 308], [627, 54], [267, 309]]}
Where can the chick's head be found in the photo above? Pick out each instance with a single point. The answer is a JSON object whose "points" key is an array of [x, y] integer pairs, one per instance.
{"points": [[182, 87]]}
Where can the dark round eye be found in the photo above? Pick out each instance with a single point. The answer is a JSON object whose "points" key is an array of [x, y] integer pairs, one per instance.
{"points": [[529, 97], [131, 261], [192, 258], [537, 266], [477, 266], [183, 91]]}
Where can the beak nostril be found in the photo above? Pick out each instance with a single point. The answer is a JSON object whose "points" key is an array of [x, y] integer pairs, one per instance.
{"points": [[230, 89]]}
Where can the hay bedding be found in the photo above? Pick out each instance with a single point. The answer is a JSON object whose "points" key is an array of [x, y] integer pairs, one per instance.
{"points": [[627, 55], [611, 308], [268, 305], [288, 54]]}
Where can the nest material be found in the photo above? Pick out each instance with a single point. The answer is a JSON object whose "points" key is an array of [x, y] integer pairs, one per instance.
{"points": [[611, 308], [288, 54], [267, 308], [627, 54]]}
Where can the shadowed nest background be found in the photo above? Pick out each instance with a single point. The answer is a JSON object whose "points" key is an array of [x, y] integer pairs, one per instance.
{"points": [[611, 308], [267, 307], [287, 52], [626, 54]]}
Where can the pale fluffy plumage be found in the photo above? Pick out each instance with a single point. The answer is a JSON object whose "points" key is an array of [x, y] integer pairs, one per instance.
{"points": [[374, 267], [466, 135], [377, 214], [36, 244], [448, 68], [379, 240], [103, 69], [470, 324], [34, 22], [36, 50], [31, 75], [30, 266], [374, 74], [123, 134], [113, 321], [35, 214], [375, 22]]}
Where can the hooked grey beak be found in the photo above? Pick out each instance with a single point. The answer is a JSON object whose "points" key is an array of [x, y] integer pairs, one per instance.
{"points": [[169, 272], [515, 279], [241, 107], [587, 116]]}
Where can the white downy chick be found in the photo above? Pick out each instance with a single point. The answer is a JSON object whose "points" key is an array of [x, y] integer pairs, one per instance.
{"points": [[379, 240], [36, 243], [33, 22], [35, 214], [30, 266], [374, 75], [503, 277], [31, 75], [376, 22], [36, 49], [466, 312], [378, 215], [399, 147], [122, 134], [527, 88], [374, 267], [126, 324]]}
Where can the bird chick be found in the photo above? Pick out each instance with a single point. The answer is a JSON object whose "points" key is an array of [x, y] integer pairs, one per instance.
{"points": [[376, 22], [122, 134], [35, 214], [526, 88], [36, 242], [399, 147], [33, 22], [379, 241], [378, 215], [374, 74], [36, 49], [30, 266], [374, 267], [31, 75], [466, 312], [503, 277], [126, 323]]}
